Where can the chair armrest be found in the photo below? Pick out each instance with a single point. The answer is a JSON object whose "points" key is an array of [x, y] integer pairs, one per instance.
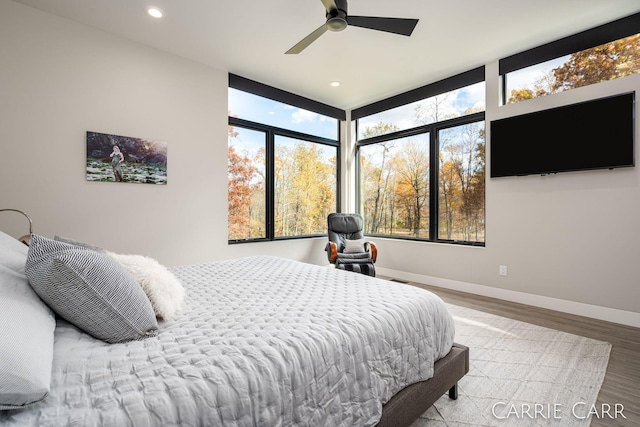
{"points": [[372, 249], [332, 252]]}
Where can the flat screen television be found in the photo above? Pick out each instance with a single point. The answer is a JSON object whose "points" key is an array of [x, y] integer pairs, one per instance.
{"points": [[596, 134]]}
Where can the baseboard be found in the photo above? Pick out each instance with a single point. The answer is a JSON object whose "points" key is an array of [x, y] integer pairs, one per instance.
{"points": [[623, 317]]}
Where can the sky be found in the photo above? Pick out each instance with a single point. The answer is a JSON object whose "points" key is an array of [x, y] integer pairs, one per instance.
{"points": [[263, 110], [526, 77]]}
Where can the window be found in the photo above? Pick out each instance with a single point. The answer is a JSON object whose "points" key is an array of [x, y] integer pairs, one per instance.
{"points": [[604, 53], [461, 185], [305, 186], [282, 164], [394, 186], [247, 184], [421, 167]]}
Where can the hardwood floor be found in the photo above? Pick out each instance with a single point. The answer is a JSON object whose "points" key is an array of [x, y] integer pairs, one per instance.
{"points": [[622, 381]]}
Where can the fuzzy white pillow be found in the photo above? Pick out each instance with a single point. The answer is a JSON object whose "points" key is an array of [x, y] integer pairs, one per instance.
{"points": [[163, 289]]}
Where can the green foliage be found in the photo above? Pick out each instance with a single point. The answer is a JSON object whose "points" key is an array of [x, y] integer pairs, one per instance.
{"points": [[143, 173]]}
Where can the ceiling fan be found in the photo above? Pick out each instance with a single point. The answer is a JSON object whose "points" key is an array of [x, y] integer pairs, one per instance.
{"points": [[338, 20]]}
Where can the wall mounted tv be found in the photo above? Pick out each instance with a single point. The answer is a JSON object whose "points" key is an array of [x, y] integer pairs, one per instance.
{"points": [[596, 134]]}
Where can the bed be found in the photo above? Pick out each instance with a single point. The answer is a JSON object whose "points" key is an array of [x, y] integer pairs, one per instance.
{"points": [[259, 341]]}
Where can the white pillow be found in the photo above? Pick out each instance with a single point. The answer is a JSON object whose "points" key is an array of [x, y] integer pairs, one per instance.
{"points": [[13, 253], [354, 246], [162, 288], [26, 332]]}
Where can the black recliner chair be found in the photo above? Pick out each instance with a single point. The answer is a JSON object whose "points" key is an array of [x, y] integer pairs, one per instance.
{"points": [[347, 247]]}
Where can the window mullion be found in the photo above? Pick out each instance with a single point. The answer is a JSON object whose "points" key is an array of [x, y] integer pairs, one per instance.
{"points": [[270, 190], [434, 172]]}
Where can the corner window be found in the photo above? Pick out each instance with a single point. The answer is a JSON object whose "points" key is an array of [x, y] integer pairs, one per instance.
{"points": [[282, 165]]}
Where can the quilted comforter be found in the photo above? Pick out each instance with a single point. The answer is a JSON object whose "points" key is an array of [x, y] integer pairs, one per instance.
{"points": [[262, 341]]}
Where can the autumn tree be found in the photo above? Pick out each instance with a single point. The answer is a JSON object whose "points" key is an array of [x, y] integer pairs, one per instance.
{"points": [[471, 177], [376, 176], [412, 167], [448, 194], [609, 61], [258, 208], [305, 184], [518, 95], [246, 190], [462, 164], [475, 197], [241, 172], [314, 189], [434, 109]]}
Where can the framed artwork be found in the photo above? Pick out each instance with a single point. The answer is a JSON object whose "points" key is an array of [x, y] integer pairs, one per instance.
{"points": [[116, 158]]}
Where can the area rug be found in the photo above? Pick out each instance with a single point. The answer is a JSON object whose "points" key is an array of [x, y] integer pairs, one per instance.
{"points": [[521, 375]]}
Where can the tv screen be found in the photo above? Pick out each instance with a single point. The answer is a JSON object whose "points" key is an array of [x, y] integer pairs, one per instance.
{"points": [[596, 134]]}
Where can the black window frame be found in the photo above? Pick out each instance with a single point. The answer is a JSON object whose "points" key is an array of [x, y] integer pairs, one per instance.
{"points": [[455, 82], [271, 132]]}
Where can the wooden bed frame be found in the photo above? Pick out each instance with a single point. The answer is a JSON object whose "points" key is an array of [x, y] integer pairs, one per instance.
{"points": [[411, 402]]}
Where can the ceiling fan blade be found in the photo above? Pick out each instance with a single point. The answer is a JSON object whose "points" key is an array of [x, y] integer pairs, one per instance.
{"points": [[400, 26], [329, 5], [305, 42]]}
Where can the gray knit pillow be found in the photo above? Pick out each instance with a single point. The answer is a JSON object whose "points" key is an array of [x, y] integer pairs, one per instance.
{"points": [[90, 290]]}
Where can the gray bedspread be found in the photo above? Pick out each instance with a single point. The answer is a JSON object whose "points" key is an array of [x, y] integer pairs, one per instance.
{"points": [[262, 341]]}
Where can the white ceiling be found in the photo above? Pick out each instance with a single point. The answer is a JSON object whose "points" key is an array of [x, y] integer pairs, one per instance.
{"points": [[249, 37]]}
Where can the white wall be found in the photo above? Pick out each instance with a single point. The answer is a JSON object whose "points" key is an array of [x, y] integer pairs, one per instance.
{"points": [[568, 240], [59, 79]]}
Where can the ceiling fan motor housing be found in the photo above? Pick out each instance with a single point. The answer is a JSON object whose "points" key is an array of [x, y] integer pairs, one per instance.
{"points": [[337, 18]]}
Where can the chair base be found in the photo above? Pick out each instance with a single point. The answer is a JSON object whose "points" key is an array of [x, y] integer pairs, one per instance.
{"points": [[362, 268]]}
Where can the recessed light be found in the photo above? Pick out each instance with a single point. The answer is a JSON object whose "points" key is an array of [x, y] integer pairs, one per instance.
{"points": [[155, 12], [335, 84]]}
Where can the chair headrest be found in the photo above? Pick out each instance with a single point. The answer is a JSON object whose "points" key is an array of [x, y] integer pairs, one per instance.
{"points": [[345, 223]]}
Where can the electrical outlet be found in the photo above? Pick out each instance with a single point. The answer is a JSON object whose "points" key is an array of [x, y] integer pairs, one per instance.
{"points": [[503, 270]]}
